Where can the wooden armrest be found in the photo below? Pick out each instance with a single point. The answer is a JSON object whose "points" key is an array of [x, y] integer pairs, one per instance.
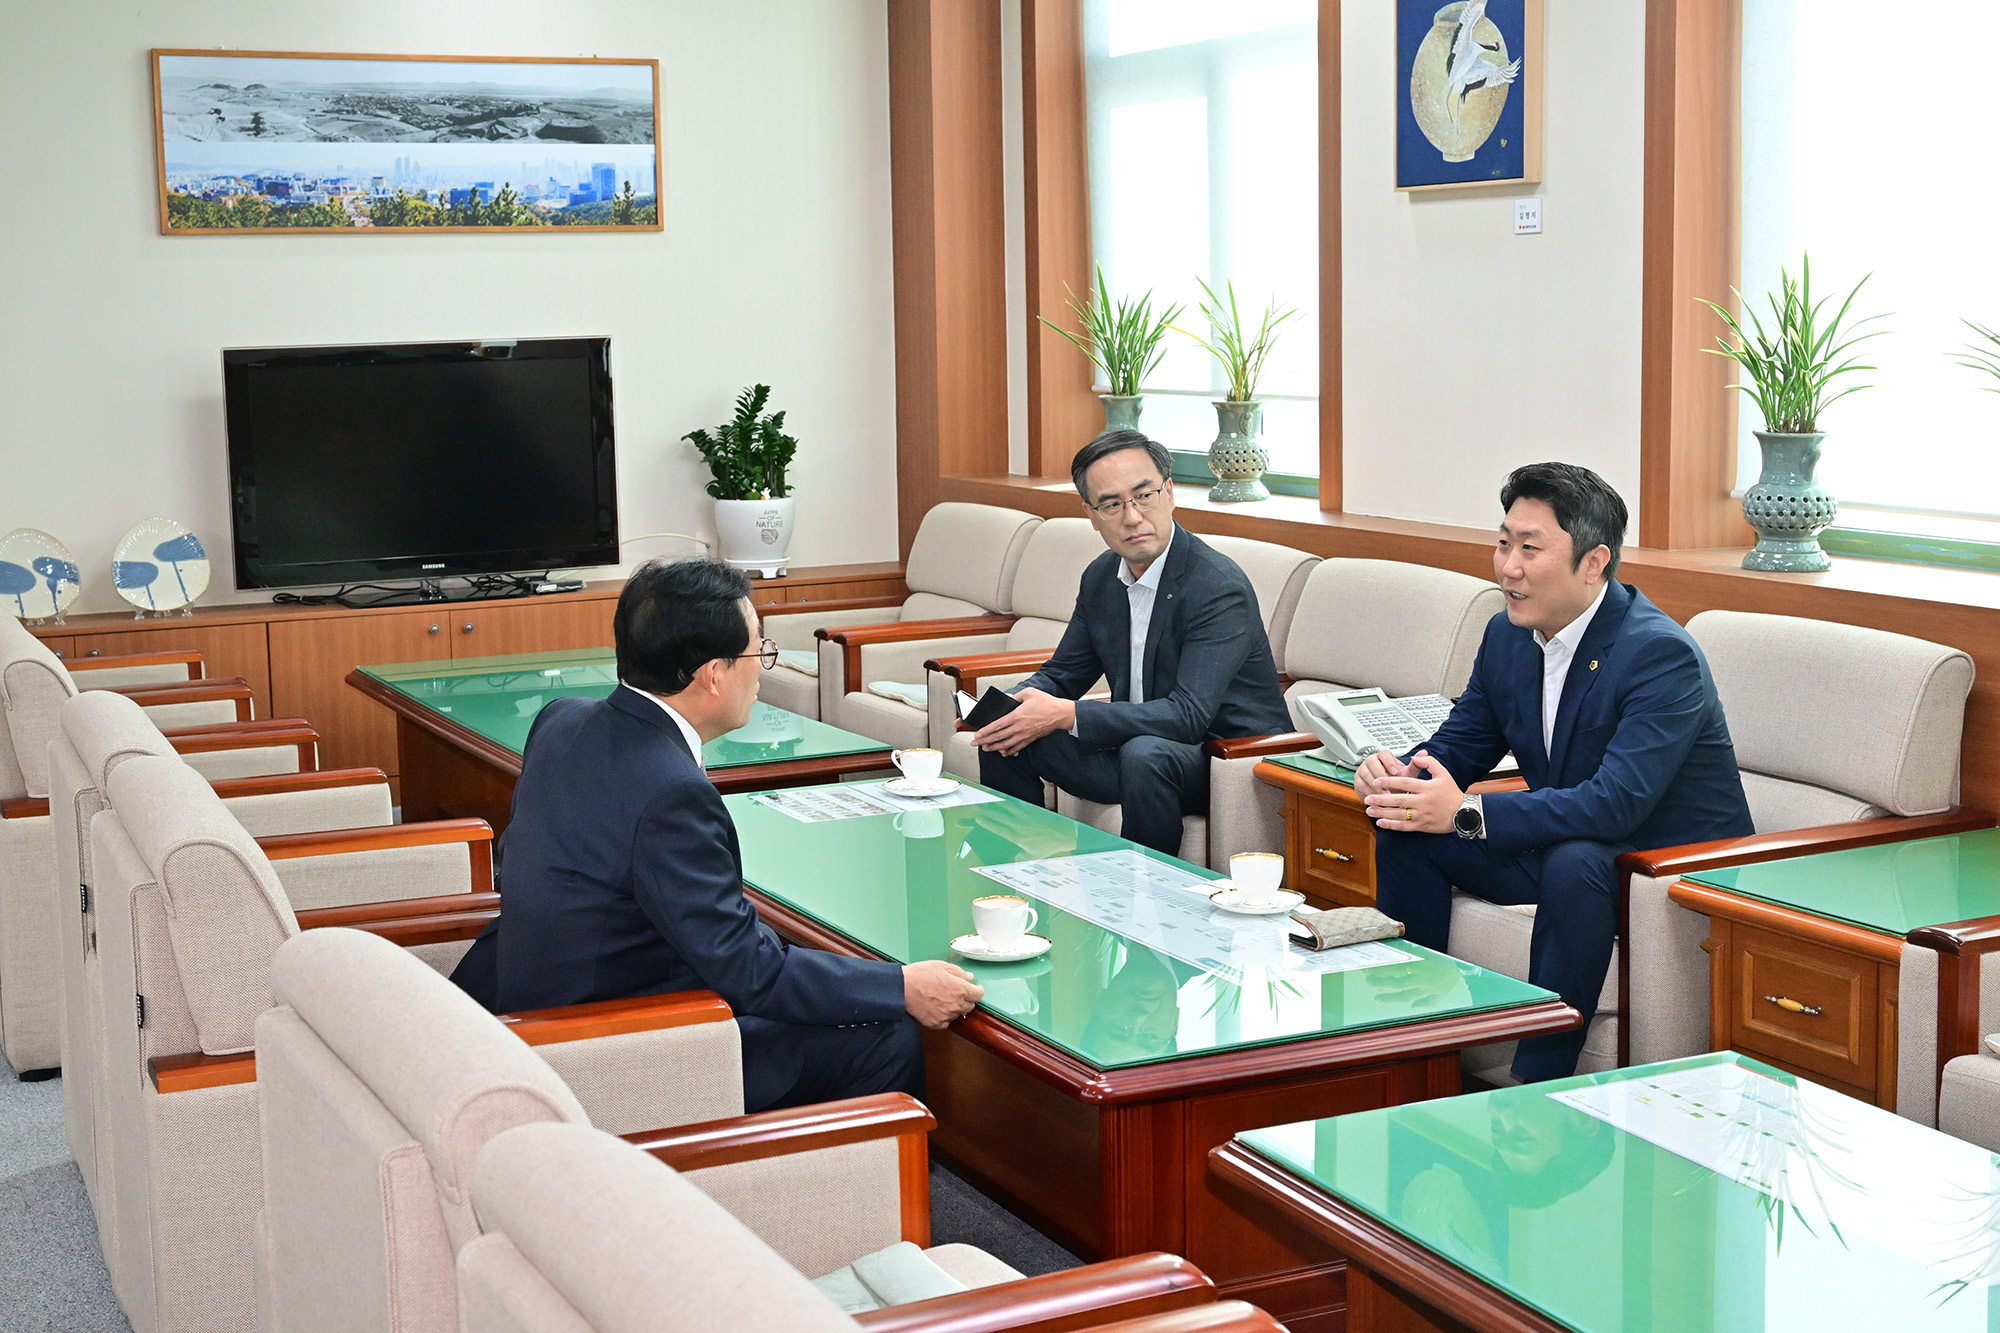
{"points": [[187, 1073], [1663, 862], [1964, 939], [187, 656], [1118, 1289], [1959, 946], [853, 638], [214, 689], [1498, 784], [1251, 747], [831, 604], [750, 1138], [1222, 1317], [477, 834], [975, 665], [363, 915], [272, 784], [290, 731], [24, 807], [611, 1018]]}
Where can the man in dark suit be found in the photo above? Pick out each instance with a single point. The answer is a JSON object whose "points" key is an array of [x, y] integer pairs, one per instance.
{"points": [[622, 875], [1607, 705], [1173, 625]]}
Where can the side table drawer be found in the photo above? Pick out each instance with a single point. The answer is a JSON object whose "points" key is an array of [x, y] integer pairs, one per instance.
{"points": [[1828, 1021], [1335, 852]]}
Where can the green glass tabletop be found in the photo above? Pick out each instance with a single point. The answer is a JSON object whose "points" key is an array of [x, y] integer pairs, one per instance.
{"points": [[1319, 768], [1896, 887], [1702, 1194], [498, 697], [1139, 970]]}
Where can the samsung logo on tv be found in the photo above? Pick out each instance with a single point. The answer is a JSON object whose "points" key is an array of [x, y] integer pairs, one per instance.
{"points": [[438, 565]]}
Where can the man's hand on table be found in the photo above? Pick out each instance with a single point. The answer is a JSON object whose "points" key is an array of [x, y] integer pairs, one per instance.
{"points": [[935, 992], [1400, 797], [1039, 714]]}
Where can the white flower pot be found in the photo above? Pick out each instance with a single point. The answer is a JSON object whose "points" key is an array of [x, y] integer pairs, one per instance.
{"points": [[755, 534]]}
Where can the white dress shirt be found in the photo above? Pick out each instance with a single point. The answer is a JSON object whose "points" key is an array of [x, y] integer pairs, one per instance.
{"points": [[692, 736], [1557, 655], [1141, 593]]}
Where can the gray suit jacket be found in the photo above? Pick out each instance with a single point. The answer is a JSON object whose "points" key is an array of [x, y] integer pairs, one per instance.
{"points": [[1208, 669]]}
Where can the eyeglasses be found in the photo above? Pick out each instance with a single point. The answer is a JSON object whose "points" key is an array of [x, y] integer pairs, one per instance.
{"points": [[767, 651], [1142, 502]]}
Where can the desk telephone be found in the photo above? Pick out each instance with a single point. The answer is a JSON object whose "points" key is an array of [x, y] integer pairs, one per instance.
{"points": [[1356, 723]]}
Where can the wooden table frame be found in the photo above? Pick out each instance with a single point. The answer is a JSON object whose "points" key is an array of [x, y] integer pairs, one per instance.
{"points": [[1113, 1162], [451, 771], [1394, 1285]]}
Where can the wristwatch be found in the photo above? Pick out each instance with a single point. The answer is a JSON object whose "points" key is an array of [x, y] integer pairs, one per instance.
{"points": [[1470, 821]]}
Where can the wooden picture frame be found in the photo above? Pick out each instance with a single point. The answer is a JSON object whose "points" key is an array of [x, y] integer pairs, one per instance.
{"points": [[292, 143], [1468, 113]]}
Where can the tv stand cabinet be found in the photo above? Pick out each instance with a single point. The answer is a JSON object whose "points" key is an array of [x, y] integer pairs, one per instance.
{"points": [[296, 658]]}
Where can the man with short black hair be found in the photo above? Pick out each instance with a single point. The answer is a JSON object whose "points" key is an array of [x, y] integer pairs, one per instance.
{"points": [[1173, 624], [622, 875], [1609, 709]]}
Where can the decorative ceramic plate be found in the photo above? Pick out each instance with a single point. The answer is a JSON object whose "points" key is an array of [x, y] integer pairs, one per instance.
{"points": [[159, 566], [1028, 946], [38, 575]]}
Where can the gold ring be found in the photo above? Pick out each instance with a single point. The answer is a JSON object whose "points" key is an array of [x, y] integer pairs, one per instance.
{"points": [[1409, 812]]}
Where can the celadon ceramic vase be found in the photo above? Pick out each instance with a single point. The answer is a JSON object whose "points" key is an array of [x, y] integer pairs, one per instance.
{"points": [[1787, 510], [1237, 457], [1121, 410]]}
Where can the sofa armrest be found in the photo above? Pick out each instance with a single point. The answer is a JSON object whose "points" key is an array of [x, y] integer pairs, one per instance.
{"points": [[274, 784], [967, 671], [188, 658], [477, 834], [1117, 1289], [1960, 946], [405, 922], [1222, 1317], [854, 638], [750, 1138], [612, 1018], [1252, 747], [213, 689], [269, 733], [837, 605]]}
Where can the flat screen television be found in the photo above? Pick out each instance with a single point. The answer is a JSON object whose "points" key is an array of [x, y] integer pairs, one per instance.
{"points": [[419, 460]]}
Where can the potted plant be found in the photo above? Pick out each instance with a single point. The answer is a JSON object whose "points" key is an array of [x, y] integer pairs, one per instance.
{"points": [[1237, 457], [1123, 342], [753, 504], [1789, 372]]}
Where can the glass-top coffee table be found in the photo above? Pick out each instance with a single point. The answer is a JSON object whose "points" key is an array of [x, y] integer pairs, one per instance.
{"points": [[1712, 1193], [1092, 1080], [461, 726]]}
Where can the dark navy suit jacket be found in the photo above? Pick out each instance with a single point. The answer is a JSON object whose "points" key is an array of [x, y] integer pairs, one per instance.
{"points": [[1208, 668], [620, 876], [1641, 753]]}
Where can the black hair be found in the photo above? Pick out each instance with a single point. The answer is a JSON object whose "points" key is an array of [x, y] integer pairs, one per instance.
{"points": [[1586, 507], [673, 617], [1117, 441]]}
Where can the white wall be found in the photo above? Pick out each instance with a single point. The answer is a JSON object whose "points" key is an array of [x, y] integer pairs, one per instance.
{"points": [[1470, 350], [774, 265]]}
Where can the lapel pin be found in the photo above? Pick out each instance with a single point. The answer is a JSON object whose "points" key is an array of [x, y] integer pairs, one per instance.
{"points": [[1593, 664]]}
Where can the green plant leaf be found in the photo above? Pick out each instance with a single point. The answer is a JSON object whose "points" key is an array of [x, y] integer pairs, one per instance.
{"points": [[748, 454], [1789, 369]]}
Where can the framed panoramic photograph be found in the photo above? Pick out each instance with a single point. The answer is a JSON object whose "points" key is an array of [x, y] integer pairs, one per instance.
{"points": [[269, 141], [1468, 93]]}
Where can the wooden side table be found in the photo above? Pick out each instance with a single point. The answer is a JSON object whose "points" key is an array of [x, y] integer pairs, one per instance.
{"points": [[1329, 839]]}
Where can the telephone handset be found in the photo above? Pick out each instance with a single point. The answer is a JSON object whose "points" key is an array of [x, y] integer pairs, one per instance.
{"points": [[1356, 723]]}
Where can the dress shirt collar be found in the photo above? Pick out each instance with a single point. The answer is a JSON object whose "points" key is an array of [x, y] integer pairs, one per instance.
{"points": [[1151, 578], [1570, 635], [688, 733]]}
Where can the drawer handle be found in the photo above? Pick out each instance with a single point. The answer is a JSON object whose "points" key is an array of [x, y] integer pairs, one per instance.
{"points": [[1791, 1006], [1328, 851], [434, 629], [467, 627]]}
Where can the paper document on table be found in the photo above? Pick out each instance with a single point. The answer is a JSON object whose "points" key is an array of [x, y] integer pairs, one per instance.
{"points": [[813, 805], [1822, 1157], [1166, 907], [963, 794]]}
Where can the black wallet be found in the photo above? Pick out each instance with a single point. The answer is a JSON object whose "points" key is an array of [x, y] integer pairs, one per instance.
{"points": [[992, 706]]}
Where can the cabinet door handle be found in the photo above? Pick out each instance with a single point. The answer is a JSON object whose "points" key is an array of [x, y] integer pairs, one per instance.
{"points": [[466, 627], [1791, 1006], [1328, 851], [95, 651], [434, 629]]}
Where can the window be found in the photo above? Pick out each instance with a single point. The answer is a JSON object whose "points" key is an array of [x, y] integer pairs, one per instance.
{"points": [[1864, 147], [1204, 151]]}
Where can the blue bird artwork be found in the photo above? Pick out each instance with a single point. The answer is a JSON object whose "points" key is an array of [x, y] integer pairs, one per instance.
{"points": [[55, 573], [187, 546], [14, 581], [135, 574]]}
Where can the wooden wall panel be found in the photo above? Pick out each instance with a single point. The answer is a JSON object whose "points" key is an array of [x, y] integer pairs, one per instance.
{"points": [[1063, 410], [1331, 385]]}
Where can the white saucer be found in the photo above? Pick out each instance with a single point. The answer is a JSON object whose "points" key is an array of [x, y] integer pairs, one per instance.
{"points": [[1281, 904], [910, 788], [1030, 945]]}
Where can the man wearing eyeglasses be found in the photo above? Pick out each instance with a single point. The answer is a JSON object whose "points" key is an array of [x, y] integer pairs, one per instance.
{"points": [[622, 874], [1173, 624]]}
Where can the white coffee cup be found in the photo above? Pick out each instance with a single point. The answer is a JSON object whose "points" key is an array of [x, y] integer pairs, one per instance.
{"points": [[1001, 920], [921, 767], [927, 823], [1256, 876]]}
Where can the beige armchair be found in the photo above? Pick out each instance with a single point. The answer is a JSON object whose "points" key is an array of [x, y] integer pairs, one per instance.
{"points": [[384, 1085], [1844, 736], [961, 566]]}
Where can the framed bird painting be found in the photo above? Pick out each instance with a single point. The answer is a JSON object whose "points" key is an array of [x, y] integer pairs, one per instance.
{"points": [[1468, 93]]}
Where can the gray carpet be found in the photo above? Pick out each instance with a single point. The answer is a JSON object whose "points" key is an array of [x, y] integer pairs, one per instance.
{"points": [[52, 1274]]}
